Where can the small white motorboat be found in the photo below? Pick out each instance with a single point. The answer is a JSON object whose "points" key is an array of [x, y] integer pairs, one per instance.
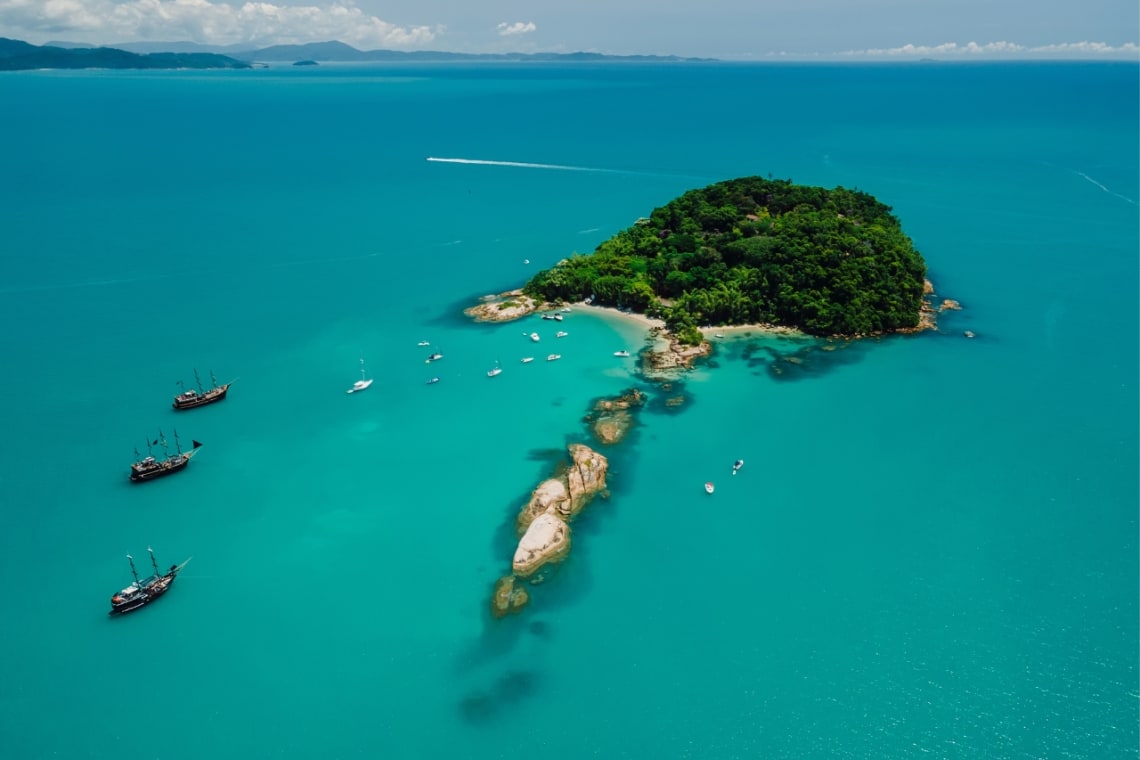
{"points": [[709, 487], [433, 381], [566, 309], [496, 371], [527, 359], [534, 337], [553, 357], [526, 261], [423, 343], [737, 465], [561, 334], [621, 353], [434, 357], [363, 382]]}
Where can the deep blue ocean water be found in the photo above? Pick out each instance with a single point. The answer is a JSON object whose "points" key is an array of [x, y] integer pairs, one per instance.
{"points": [[931, 550]]}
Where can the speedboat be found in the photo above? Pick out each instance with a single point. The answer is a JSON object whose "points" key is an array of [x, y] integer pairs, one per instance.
{"points": [[718, 335], [433, 381], [566, 309], [423, 343], [621, 353], [526, 261], [737, 465], [557, 317], [561, 334], [527, 359], [553, 357], [435, 356], [709, 488], [534, 337]]}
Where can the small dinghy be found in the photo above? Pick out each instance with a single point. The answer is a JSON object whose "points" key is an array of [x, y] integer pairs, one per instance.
{"points": [[709, 487], [737, 465]]}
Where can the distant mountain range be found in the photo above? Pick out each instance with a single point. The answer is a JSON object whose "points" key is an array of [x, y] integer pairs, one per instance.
{"points": [[15, 54]]}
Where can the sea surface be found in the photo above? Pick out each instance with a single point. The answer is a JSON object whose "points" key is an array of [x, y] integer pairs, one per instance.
{"points": [[931, 550]]}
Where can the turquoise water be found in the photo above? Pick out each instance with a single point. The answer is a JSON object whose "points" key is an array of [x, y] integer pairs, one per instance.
{"points": [[931, 549]]}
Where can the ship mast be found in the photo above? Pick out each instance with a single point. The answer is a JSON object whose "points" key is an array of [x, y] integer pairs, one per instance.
{"points": [[133, 571], [213, 380], [363, 376], [198, 380], [162, 440], [153, 563], [177, 444]]}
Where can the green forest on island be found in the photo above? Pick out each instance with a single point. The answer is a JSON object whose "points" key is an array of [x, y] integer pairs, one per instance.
{"points": [[754, 250]]}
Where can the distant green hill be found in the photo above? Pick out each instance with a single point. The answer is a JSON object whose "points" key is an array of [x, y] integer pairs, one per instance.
{"points": [[753, 250], [339, 51], [16, 55]]}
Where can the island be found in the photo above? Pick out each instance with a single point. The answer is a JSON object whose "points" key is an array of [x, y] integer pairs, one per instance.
{"points": [[16, 55], [753, 251]]}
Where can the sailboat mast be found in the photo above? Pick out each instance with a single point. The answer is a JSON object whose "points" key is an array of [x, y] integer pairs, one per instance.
{"points": [[133, 571], [162, 441], [213, 380], [198, 380], [363, 376], [153, 563], [177, 444]]}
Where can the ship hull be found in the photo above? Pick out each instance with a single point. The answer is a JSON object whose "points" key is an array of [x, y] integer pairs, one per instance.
{"points": [[140, 476], [140, 601], [209, 397]]}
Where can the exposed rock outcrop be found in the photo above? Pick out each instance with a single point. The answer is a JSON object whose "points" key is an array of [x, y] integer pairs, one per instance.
{"points": [[611, 419], [503, 307], [543, 523], [509, 597], [546, 539]]}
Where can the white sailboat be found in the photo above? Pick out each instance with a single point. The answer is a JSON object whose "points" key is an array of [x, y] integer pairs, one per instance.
{"points": [[497, 370], [363, 383]]}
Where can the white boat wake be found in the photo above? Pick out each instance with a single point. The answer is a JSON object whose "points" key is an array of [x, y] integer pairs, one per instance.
{"points": [[522, 165], [1105, 189]]}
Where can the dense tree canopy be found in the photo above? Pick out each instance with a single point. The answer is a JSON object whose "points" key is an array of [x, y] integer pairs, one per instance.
{"points": [[754, 250]]}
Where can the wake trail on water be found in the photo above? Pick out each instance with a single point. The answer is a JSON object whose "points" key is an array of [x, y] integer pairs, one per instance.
{"points": [[551, 167], [1124, 198]]}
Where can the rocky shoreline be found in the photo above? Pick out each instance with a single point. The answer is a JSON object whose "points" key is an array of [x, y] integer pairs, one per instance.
{"points": [[668, 353]]}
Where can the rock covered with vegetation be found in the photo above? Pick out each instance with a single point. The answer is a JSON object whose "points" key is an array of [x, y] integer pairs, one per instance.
{"points": [[754, 251]]}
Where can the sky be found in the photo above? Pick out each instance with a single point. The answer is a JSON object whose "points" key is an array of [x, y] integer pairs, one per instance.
{"points": [[726, 29]]}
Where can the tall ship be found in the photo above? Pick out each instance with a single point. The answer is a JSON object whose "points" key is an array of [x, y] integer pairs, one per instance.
{"points": [[192, 399], [145, 590], [151, 467]]}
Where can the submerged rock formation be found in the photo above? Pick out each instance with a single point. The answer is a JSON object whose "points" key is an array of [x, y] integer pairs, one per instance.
{"points": [[611, 419]]}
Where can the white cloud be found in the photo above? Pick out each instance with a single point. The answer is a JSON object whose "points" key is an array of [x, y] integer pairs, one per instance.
{"points": [[106, 21], [1002, 49], [519, 27]]}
